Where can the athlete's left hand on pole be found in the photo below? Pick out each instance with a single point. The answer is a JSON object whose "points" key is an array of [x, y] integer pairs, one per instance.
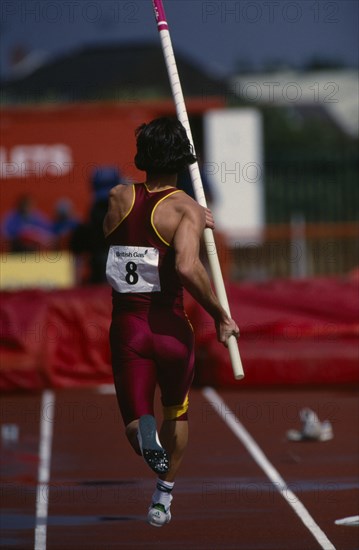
{"points": [[226, 328]]}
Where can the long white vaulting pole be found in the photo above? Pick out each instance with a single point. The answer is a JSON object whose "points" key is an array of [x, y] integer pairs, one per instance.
{"points": [[196, 177]]}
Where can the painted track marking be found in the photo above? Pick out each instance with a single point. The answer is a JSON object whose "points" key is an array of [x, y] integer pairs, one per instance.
{"points": [[257, 454], [43, 475]]}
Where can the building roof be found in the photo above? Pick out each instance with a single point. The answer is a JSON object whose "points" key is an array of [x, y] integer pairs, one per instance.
{"points": [[109, 72], [334, 91]]}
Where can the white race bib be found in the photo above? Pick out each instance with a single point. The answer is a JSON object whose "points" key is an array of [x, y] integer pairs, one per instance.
{"points": [[133, 269]]}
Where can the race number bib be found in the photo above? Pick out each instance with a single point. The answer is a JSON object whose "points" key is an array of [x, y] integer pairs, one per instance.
{"points": [[133, 269]]}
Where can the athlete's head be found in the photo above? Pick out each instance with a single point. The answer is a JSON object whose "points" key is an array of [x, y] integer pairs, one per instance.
{"points": [[163, 147]]}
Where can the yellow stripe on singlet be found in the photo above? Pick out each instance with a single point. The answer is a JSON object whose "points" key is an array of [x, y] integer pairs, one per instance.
{"points": [[153, 213]]}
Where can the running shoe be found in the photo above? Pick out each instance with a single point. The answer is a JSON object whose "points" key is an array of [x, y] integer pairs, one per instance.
{"points": [[158, 515], [152, 451]]}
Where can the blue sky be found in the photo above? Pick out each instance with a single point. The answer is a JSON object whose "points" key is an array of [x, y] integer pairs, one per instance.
{"points": [[215, 33]]}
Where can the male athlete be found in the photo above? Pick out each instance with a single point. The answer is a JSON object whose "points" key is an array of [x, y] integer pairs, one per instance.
{"points": [[153, 231]]}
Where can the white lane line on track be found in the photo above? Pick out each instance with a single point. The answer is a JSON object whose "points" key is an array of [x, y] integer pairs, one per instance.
{"points": [[43, 475], [106, 389], [257, 454]]}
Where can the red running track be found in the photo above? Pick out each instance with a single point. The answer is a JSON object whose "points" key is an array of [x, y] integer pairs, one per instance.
{"points": [[98, 490]]}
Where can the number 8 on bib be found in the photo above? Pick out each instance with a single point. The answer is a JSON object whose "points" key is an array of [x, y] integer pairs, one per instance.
{"points": [[133, 269]]}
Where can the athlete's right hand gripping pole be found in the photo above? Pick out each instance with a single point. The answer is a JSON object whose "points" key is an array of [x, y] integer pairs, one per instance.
{"points": [[196, 177]]}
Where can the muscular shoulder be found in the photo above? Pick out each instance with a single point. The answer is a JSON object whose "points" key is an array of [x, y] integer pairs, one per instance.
{"points": [[186, 206], [120, 200], [120, 191], [172, 212]]}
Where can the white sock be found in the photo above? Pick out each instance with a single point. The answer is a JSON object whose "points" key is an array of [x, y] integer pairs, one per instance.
{"points": [[162, 494]]}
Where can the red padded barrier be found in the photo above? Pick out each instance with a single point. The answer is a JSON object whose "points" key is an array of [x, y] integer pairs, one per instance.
{"points": [[55, 339], [292, 332]]}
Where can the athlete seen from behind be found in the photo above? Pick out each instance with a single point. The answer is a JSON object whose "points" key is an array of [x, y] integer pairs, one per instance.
{"points": [[153, 231]]}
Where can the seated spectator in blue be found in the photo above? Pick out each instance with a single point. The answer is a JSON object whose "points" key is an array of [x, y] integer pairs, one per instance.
{"points": [[88, 238], [25, 228], [64, 224], [103, 179]]}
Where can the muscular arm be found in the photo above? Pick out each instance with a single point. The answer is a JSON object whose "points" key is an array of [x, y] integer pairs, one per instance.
{"points": [[193, 274]]}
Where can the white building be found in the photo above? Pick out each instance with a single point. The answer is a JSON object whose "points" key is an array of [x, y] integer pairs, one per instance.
{"points": [[337, 91]]}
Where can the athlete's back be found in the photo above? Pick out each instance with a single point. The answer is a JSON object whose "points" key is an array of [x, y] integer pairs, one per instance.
{"points": [[139, 230]]}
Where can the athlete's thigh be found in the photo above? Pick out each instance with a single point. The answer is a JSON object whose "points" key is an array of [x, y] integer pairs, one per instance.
{"points": [[133, 368], [175, 358]]}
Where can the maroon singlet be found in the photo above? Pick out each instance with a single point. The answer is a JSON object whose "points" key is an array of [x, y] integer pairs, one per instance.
{"points": [[150, 336]]}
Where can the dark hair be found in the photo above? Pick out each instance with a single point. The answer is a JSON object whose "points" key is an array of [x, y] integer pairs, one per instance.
{"points": [[163, 147]]}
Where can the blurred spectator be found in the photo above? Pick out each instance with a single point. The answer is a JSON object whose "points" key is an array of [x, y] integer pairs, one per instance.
{"points": [[89, 238], [184, 182], [102, 181], [25, 228], [64, 224]]}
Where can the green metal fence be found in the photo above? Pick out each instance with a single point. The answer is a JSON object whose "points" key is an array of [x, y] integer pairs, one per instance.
{"points": [[319, 189], [312, 220]]}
